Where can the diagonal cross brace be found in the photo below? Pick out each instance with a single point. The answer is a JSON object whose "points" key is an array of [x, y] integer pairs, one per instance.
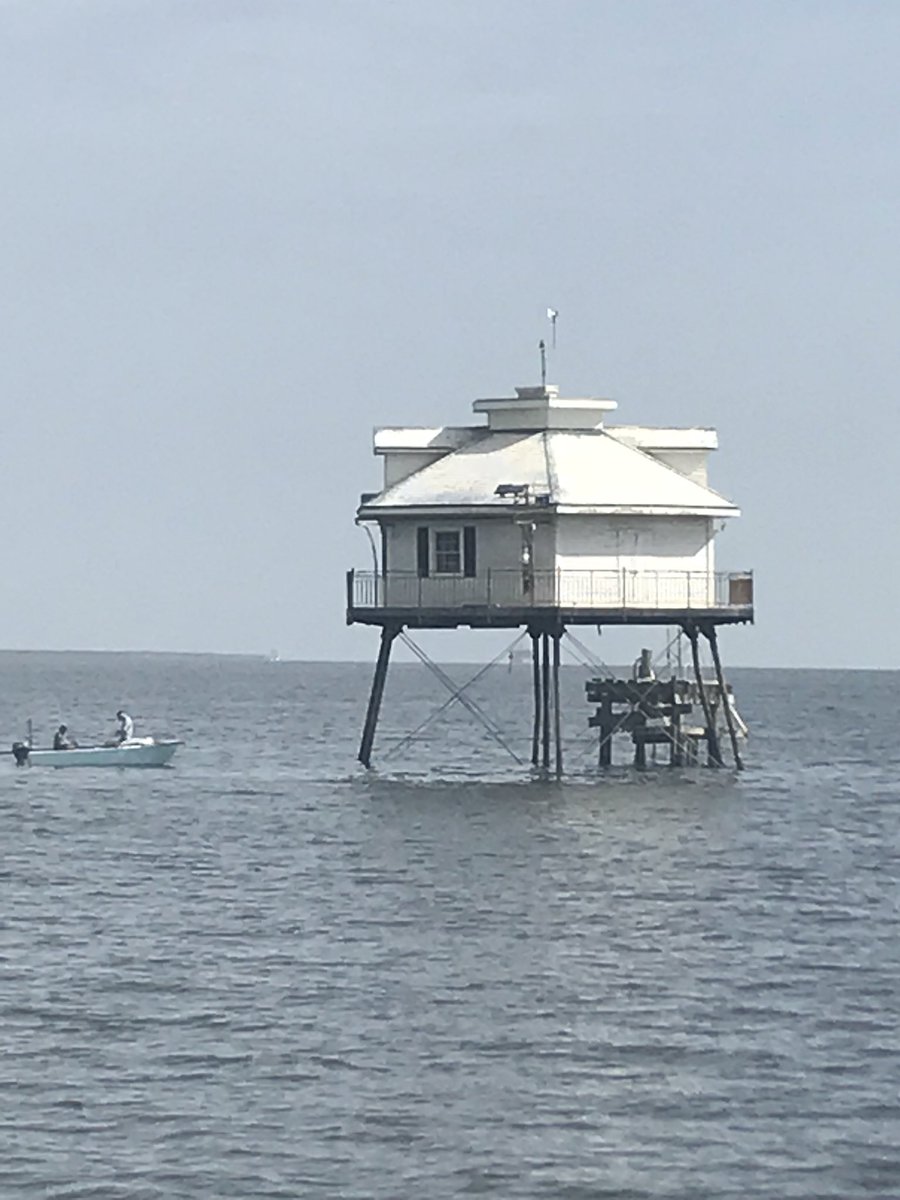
{"points": [[457, 693]]}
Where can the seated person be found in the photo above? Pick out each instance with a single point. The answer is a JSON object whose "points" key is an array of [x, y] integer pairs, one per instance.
{"points": [[62, 741]]}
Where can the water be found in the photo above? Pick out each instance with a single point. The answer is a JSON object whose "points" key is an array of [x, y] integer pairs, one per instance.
{"points": [[264, 973]]}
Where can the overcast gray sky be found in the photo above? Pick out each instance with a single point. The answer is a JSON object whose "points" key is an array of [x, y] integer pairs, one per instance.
{"points": [[237, 234]]}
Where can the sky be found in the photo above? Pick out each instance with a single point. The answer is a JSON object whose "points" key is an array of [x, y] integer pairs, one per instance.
{"points": [[239, 234]]}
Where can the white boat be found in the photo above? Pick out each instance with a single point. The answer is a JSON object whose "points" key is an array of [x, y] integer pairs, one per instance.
{"points": [[136, 752]]}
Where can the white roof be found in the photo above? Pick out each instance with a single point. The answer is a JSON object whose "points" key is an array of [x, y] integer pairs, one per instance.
{"points": [[578, 471]]}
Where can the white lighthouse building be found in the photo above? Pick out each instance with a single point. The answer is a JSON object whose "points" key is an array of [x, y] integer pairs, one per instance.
{"points": [[544, 515]]}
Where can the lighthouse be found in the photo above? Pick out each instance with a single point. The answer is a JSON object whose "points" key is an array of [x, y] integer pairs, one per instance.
{"points": [[545, 515]]}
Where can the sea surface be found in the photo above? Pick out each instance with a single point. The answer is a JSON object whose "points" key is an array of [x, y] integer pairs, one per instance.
{"points": [[267, 973]]}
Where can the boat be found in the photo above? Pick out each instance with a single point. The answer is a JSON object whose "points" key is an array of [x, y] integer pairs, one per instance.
{"points": [[135, 752]]}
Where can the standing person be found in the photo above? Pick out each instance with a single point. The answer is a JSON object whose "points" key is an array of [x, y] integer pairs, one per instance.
{"points": [[125, 730]]}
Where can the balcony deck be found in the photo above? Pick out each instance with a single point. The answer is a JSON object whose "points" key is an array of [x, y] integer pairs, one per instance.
{"points": [[506, 599]]}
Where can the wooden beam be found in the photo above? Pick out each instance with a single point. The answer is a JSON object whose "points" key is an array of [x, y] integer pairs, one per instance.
{"points": [[625, 691]]}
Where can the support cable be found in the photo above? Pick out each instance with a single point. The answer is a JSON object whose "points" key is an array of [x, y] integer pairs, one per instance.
{"points": [[458, 693]]}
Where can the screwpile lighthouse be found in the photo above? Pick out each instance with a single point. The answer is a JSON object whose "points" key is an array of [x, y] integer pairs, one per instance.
{"points": [[545, 517]]}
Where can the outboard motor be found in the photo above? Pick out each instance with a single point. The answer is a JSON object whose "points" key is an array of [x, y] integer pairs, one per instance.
{"points": [[21, 751]]}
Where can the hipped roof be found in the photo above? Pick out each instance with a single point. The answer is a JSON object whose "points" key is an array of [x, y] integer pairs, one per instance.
{"points": [[579, 471]]}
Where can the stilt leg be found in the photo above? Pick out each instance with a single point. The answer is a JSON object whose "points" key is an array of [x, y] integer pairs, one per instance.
{"points": [[557, 717], [676, 747], [545, 701], [536, 678], [712, 736], [710, 631], [607, 724], [388, 633]]}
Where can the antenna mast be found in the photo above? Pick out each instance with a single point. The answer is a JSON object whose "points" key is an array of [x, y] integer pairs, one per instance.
{"points": [[552, 314]]}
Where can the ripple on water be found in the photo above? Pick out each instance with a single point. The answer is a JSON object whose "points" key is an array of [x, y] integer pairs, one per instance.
{"points": [[264, 974]]}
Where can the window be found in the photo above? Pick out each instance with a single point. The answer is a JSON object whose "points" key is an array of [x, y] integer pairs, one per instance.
{"points": [[447, 557]]}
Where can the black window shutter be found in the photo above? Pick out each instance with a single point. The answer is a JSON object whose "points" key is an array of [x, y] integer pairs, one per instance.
{"points": [[469, 551], [422, 551], [384, 544]]}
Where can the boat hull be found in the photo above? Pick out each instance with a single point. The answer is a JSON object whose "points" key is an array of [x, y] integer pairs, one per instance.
{"points": [[144, 753]]}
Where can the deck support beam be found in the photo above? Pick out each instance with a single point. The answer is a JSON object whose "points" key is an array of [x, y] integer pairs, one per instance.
{"points": [[710, 632], [545, 686], [557, 721], [712, 735], [536, 687], [388, 633], [545, 701]]}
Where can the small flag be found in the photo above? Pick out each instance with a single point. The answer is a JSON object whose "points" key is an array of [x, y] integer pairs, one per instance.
{"points": [[552, 314]]}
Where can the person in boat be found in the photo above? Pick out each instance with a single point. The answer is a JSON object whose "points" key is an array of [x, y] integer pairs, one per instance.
{"points": [[62, 741], [125, 729]]}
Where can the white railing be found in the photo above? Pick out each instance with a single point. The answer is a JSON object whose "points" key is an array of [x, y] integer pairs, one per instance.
{"points": [[562, 588]]}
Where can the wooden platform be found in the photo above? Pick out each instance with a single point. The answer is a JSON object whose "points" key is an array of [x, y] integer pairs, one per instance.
{"points": [[653, 712]]}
